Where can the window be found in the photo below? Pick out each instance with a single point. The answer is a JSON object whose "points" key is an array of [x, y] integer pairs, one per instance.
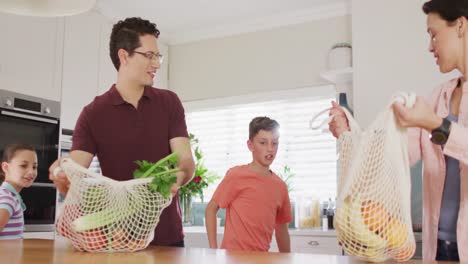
{"points": [[221, 125]]}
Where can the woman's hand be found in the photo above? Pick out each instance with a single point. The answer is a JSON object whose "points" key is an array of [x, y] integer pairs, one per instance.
{"points": [[420, 115], [339, 124]]}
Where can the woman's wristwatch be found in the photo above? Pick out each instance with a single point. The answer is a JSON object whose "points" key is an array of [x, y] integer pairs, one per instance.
{"points": [[440, 135]]}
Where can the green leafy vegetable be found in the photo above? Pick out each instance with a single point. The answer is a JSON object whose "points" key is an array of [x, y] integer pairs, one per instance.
{"points": [[162, 172]]}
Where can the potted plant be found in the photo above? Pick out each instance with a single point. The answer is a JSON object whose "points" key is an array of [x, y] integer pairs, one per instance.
{"points": [[201, 180], [286, 174]]}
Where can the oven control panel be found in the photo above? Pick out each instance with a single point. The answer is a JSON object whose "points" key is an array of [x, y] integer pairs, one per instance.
{"points": [[29, 104]]}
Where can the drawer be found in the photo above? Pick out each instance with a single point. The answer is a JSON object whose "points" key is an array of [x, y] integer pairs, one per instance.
{"points": [[315, 245], [39, 235]]}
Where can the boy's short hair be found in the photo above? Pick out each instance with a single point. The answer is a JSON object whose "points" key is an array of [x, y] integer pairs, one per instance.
{"points": [[262, 123]]}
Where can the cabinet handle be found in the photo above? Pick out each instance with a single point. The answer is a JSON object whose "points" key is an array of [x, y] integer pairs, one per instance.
{"points": [[313, 243]]}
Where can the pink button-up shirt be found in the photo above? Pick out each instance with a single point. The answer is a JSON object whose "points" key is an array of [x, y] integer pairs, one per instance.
{"points": [[434, 169]]}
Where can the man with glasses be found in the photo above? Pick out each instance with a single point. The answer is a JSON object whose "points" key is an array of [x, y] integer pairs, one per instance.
{"points": [[134, 121]]}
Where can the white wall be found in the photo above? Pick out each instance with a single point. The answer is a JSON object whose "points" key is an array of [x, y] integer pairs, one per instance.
{"points": [[283, 58], [390, 53], [162, 77]]}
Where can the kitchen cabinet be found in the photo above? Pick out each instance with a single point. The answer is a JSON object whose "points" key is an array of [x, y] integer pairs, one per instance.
{"points": [[107, 72], [31, 55], [39, 235], [313, 241], [302, 241], [196, 237], [315, 244], [80, 65]]}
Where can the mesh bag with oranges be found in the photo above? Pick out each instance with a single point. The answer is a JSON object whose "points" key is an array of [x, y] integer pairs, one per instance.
{"points": [[373, 218]]}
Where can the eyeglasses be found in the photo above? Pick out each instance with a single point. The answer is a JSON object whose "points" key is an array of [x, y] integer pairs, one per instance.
{"points": [[152, 56]]}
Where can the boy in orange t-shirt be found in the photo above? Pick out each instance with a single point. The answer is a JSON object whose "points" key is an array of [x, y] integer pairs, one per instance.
{"points": [[255, 198]]}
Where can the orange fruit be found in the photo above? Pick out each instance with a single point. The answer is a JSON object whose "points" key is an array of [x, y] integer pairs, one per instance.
{"points": [[405, 253], [374, 215], [395, 233]]}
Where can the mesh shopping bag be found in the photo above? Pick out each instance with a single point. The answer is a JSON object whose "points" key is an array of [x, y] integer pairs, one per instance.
{"points": [[103, 215], [373, 217]]}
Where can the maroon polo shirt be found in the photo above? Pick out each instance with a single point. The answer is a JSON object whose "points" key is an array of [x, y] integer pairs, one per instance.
{"points": [[119, 135]]}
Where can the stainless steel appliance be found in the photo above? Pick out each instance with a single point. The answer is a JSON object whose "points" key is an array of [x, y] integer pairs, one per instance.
{"points": [[66, 142], [34, 121]]}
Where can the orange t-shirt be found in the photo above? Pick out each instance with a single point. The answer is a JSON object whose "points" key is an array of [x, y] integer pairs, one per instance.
{"points": [[254, 205]]}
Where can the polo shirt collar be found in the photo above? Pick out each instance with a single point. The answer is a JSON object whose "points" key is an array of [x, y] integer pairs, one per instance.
{"points": [[10, 188], [117, 99]]}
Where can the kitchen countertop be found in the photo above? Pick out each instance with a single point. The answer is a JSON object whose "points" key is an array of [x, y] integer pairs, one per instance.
{"points": [[59, 251], [300, 232], [292, 231], [220, 230]]}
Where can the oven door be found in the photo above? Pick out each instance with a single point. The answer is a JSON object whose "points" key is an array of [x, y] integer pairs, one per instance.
{"points": [[40, 212], [42, 133]]}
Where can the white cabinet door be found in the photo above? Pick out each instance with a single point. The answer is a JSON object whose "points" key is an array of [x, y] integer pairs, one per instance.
{"points": [[39, 235], [327, 245], [199, 239], [300, 243], [315, 245], [80, 65], [30, 56], [107, 72]]}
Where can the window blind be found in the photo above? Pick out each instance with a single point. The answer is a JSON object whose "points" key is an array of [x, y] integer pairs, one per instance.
{"points": [[221, 126]]}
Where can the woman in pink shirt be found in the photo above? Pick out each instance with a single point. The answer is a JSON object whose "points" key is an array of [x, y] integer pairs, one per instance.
{"points": [[439, 135]]}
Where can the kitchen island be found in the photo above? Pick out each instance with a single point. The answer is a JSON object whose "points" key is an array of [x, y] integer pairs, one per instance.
{"points": [[39, 251]]}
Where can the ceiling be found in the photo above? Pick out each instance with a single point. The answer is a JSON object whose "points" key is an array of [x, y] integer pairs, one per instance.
{"points": [[182, 21]]}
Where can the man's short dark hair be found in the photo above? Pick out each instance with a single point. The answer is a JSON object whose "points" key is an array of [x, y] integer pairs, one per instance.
{"points": [[262, 123], [126, 35], [449, 10]]}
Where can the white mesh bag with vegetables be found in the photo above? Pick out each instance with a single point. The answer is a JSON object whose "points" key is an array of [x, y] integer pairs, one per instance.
{"points": [[103, 215], [373, 217]]}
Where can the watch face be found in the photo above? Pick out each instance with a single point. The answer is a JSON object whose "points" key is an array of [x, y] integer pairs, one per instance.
{"points": [[438, 137]]}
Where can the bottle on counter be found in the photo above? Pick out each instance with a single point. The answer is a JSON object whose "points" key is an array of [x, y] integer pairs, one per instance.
{"points": [[324, 216], [330, 214]]}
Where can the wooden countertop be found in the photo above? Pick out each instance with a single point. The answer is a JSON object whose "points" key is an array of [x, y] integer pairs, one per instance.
{"points": [[39, 251], [292, 231]]}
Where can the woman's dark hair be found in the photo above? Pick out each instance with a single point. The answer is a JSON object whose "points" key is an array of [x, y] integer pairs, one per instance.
{"points": [[449, 10], [126, 35], [9, 153]]}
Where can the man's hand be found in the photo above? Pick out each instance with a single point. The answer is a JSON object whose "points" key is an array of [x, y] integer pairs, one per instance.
{"points": [[176, 186], [58, 177], [186, 164]]}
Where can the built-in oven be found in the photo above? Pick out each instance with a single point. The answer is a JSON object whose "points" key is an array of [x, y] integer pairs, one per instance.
{"points": [[34, 121]]}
